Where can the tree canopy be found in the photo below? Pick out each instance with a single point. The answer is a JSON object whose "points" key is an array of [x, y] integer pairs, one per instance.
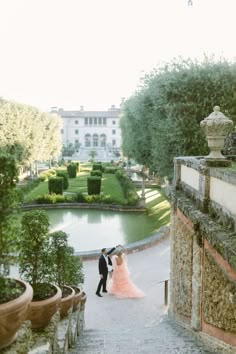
{"points": [[28, 133], [162, 119]]}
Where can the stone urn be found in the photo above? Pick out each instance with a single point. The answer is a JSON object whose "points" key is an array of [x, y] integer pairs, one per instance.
{"points": [[67, 301], [216, 127], [41, 312], [12, 314]]}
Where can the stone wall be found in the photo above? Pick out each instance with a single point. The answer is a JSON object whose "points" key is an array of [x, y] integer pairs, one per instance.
{"points": [[203, 249], [56, 338]]}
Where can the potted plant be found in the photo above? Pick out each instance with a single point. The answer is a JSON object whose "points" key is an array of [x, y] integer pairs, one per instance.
{"points": [[67, 270], [35, 265], [15, 295]]}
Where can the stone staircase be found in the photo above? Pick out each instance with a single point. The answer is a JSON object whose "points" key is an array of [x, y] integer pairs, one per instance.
{"points": [[166, 337]]}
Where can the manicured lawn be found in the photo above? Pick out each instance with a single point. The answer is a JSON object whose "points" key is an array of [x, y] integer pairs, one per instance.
{"points": [[157, 206], [110, 186]]}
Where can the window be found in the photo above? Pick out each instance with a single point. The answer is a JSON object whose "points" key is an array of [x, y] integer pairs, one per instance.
{"points": [[95, 121], [104, 121], [95, 140], [113, 131], [76, 141], [113, 143], [76, 131], [90, 121], [62, 131], [100, 121], [86, 121], [76, 122], [113, 122], [87, 140], [102, 140]]}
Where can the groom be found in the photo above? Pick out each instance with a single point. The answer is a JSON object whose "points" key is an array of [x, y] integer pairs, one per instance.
{"points": [[103, 263]]}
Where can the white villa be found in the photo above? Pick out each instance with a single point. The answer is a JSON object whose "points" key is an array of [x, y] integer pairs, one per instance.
{"points": [[91, 129]]}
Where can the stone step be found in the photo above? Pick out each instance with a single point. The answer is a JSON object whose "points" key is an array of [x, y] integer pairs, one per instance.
{"points": [[167, 337]]}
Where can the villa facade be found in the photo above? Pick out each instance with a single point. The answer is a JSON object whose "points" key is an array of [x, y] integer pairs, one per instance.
{"points": [[91, 129]]}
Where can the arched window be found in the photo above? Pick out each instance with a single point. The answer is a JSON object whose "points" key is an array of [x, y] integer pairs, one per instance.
{"points": [[103, 140], [95, 140], [87, 140]]}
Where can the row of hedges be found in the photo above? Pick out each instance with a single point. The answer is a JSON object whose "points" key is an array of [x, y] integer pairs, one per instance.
{"points": [[76, 198], [128, 188]]}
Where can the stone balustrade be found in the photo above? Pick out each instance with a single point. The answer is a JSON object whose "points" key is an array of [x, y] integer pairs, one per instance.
{"points": [[56, 338]]}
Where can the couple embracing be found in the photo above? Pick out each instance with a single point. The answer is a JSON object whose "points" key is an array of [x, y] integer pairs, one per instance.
{"points": [[120, 284]]}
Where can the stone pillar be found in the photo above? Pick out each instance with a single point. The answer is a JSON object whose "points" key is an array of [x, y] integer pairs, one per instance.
{"points": [[177, 173], [196, 284]]}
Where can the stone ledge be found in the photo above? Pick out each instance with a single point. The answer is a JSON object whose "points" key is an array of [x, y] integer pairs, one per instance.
{"points": [[130, 247], [56, 338]]}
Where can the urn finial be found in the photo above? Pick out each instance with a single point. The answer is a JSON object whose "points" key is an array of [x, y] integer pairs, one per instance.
{"points": [[216, 127]]}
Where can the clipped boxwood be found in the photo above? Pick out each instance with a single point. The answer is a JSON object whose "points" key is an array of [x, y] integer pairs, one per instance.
{"points": [[64, 175], [94, 185], [55, 185], [111, 170], [96, 173], [97, 167], [72, 170]]}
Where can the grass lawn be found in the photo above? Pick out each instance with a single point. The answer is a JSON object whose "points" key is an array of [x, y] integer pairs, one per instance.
{"points": [[157, 206], [110, 186]]}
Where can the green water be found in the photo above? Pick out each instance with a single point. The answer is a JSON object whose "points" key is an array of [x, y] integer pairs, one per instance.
{"points": [[94, 229]]}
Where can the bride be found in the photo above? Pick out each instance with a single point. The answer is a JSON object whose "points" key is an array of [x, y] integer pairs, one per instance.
{"points": [[120, 284]]}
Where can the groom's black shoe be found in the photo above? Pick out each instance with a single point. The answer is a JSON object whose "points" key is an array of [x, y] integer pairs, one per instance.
{"points": [[104, 291], [98, 294]]}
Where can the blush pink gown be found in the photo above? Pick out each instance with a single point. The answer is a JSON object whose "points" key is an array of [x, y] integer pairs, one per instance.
{"points": [[120, 284]]}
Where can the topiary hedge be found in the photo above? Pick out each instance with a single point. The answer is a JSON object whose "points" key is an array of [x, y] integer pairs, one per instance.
{"points": [[94, 185], [55, 185], [72, 170], [64, 175], [96, 173]]}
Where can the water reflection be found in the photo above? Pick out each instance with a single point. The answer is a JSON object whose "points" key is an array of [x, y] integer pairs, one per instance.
{"points": [[93, 229]]}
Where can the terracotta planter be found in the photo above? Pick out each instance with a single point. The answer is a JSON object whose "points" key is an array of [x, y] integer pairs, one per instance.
{"points": [[41, 312], [77, 298], [67, 302], [13, 314], [83, 300]]}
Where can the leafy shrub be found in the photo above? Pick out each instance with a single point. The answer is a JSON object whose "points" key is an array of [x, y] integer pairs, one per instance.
{"points": [[35, 263], [80, 198], [47, 174], [96, 173], [52, 199], [94, 185], [55, 185], [72, 170], [67, 267], [111, 170], [97, 166], [128, 188], [64, 175]]}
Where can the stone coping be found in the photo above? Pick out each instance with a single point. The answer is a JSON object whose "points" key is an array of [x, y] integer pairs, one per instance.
{"points": [[130, 247], [84, 206]]}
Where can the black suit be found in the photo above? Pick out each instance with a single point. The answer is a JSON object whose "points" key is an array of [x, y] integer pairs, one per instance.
{"points": [[103, 270]]}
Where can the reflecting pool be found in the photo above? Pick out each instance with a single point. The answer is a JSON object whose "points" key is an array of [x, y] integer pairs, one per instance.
{"points": [[90, 229]]}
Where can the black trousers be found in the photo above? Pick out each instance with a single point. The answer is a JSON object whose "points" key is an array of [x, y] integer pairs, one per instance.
{"points": [[103, 283]]}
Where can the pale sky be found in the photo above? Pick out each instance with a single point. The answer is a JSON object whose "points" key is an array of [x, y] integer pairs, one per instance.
{"points": [[68, 53]]}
